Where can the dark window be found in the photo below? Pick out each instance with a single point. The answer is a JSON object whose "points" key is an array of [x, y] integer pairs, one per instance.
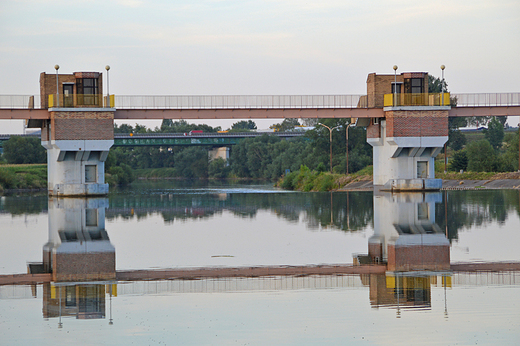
{"points": [[417, 85], [396, 88], [87, 91]]}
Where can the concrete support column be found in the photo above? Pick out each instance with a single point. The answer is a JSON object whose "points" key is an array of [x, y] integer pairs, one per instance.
{"points": [[222, 152], [405, 145], [77, 142]]}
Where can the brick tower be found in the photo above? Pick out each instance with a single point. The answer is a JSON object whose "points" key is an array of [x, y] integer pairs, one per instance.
{"points": [[412, 133], [78, 135]]}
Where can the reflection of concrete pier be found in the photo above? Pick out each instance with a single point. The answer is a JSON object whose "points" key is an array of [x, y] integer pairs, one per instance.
{"points": [[413, 247], [79, 248]]}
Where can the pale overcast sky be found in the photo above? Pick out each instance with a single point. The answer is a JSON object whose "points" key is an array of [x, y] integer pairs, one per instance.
{"points": [[258, 47]]}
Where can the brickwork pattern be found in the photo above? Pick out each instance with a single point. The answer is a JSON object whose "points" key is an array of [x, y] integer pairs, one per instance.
{"points": [[84, 266], [378, 86], [420, 257], [416, 123], [82, 125], [48, 85], [374, 131]]}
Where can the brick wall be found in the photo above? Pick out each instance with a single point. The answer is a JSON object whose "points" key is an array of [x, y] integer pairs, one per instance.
{"points": [[374, 131], [48, 85], [378, 86], [84, 266], [416, 123], [82, 125], [419, 257]]}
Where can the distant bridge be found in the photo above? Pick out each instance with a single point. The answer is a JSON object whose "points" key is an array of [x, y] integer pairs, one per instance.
{"points": [[179, 139]]}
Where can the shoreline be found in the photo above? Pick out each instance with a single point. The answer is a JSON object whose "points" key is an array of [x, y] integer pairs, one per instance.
{"points": [[449, 184]]}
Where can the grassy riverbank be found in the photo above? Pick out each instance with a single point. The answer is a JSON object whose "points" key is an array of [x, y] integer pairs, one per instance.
{"points": [[307, 180], [23, 176]]}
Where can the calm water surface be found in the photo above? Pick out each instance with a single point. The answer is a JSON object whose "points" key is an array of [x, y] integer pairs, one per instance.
{"points": [[178, 225]]}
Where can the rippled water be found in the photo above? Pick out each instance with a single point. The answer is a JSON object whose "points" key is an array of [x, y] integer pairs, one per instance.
{"points": [[175, 225]]}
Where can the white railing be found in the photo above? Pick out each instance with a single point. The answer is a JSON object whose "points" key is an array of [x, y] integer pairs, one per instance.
{"points": [[486, 100], [258, 102], [20, 101], [237, 102]]}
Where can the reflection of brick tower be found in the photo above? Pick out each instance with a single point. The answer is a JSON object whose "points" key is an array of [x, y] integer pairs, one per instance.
{"points": [[81, 301], [79, 248], [406, 236], [78, 135]]}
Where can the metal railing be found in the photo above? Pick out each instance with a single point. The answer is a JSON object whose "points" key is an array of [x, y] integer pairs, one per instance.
{"points": [[257, 102], [486, 100], [20, 101], [237, 102]]}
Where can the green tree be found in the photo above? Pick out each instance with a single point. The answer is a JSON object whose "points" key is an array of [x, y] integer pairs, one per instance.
{"points": [[495, 133], [481, 156], [286, 125], [18, 150], [459, 161], [244, 125]]}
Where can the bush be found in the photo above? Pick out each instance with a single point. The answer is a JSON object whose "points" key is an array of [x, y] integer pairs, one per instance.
{"points": [[459, 161]]}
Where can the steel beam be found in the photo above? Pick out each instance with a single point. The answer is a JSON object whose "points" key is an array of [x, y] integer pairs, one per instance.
{"points": [[248, 113], [484, 111], [24, 113]]}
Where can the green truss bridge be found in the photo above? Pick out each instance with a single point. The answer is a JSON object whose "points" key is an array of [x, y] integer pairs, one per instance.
{"points": [[183, 139]]}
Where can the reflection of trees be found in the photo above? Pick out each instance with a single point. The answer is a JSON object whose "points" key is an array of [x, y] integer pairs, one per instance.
{"points": [[24, 204], [350, 210], [475, 208]]}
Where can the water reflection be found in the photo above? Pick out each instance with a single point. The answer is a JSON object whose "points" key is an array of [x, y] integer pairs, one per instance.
{"points": [[411, 239], [78, 255], [413, 247]]}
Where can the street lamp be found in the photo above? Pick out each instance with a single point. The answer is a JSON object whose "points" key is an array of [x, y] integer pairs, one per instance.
{"points": [[57, 67], [346, 135], [442, 104], [330, 141], [395, 85], [108, 86]]}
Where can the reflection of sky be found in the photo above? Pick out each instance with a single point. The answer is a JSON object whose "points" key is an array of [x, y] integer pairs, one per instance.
{"points": [[479, 315]]}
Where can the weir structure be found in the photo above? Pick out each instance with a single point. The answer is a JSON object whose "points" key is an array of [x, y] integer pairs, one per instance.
{"points": [[406, 125]]}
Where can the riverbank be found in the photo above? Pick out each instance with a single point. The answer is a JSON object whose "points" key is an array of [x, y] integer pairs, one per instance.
{"points": [[457, 181], [24, 177]]}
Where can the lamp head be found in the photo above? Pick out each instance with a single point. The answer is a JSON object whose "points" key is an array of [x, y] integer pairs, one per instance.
{"points": [[107, 67], [395, 67], [443, 67], [57, 67]]}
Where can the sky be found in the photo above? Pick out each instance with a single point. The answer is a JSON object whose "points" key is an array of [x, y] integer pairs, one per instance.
{"points": [[265, 47]]}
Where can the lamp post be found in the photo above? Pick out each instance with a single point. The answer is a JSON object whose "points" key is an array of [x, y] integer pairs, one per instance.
{"points": [[330, 141], [346, 136], [442, 85], [108, 86], [395, 85], [442, 104], [57, 67]]}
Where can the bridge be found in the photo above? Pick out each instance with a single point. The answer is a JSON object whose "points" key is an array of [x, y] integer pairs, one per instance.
{"points": [[406, 125], [213, 139]]}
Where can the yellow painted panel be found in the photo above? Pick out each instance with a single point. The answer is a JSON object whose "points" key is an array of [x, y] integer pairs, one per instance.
{"points": [[390, 282], [389, 100], [51, 101], [446, 99], [53, 292], [112, 101]]}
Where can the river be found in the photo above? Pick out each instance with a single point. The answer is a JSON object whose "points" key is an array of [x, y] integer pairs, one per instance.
{"points": [[418, 299]]}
